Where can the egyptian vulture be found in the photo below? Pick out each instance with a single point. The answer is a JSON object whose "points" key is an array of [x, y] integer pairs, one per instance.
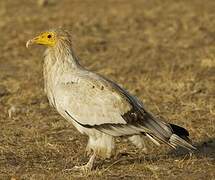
{"points": [[95, 105]]}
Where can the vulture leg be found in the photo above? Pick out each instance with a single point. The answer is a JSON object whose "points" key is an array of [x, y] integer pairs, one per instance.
{"points": [[87, 167], [138, 141]]}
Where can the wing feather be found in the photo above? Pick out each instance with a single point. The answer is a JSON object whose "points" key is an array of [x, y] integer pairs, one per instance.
{"points": [[95, 102], [92, 102]]}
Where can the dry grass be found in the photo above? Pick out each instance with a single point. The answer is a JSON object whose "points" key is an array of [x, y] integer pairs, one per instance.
{"points": [[161, 51]]}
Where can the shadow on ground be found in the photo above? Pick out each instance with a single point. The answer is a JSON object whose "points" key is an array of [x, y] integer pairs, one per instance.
{"points": [[205, 149]]}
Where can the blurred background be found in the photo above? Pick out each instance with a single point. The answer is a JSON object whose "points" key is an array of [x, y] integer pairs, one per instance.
{"points": [[161, 51]]}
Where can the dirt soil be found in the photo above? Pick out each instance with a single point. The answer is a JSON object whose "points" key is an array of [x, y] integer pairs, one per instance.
{"points": [[161, 51]]}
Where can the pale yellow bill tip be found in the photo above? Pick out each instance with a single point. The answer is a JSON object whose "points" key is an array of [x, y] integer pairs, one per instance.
{"points": [[29, 42]]}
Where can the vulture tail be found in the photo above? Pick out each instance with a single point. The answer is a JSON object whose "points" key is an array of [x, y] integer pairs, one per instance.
{"points": [[171, 134], [180, 137]]}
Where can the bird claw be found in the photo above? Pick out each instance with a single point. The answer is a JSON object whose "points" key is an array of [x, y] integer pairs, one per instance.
{"points": [[84, 168], [145, 150]]}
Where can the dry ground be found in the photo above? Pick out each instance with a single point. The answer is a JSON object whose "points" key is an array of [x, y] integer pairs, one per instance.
{"points": [[161, 51]]}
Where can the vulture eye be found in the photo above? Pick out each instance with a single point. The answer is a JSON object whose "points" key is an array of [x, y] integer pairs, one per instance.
{"points": [[49, 36]]}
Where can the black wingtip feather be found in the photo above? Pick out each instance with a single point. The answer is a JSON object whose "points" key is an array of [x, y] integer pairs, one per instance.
{"points": [[180, 131]]}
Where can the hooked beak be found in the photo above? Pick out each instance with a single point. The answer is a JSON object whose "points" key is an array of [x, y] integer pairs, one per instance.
{"points": [[31, 42], [42, 39]]}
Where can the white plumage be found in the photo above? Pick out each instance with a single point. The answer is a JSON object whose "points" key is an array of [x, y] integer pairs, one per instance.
{"points": [[97, 106]]}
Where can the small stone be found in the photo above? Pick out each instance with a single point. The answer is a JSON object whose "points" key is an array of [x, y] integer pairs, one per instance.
{"points": [[42, 2], [3, 91], [11, 111]]}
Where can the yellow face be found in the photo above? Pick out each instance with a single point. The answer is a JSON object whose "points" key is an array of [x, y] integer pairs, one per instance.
{"points": [[45, 38]]}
